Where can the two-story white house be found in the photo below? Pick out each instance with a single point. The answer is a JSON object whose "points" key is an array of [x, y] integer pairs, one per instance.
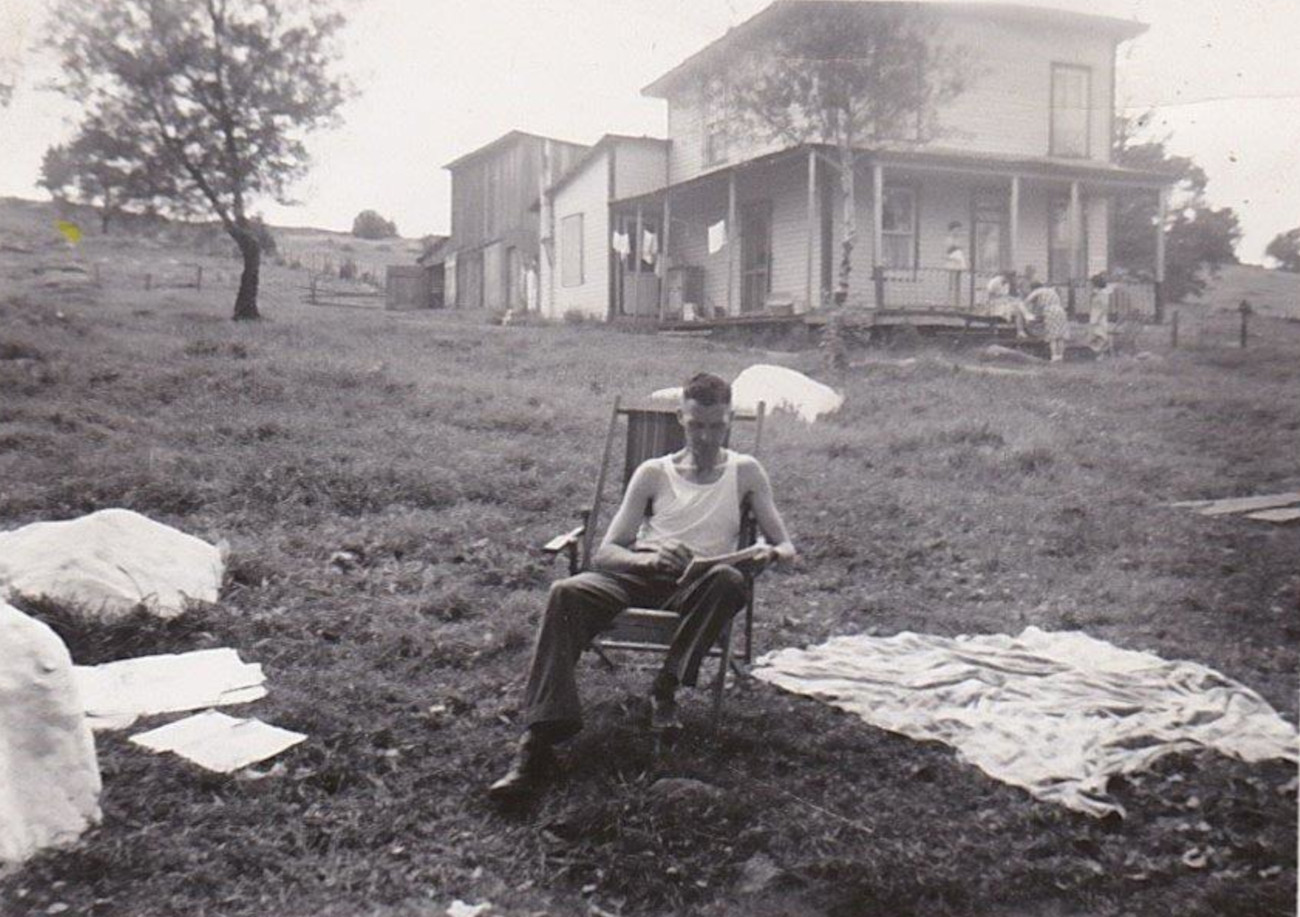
{"points": [[719, 221]]}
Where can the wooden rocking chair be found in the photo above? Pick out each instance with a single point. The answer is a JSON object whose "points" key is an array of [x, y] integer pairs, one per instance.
{"points": [[653, 430]]}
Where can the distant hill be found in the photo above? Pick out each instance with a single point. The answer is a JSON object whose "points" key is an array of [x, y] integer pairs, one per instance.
{"points": [[1269, 292], [315, 249]]}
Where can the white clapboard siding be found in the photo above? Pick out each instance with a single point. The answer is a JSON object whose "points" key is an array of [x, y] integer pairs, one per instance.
{"points": [[588, 194], [1006, 109], [641, 166]]}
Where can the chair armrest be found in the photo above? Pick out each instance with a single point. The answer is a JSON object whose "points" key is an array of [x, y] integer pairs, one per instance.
{"points": [[562, 542]]}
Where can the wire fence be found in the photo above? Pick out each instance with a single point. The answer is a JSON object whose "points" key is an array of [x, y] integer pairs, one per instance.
{"points": [[1192, 327]]}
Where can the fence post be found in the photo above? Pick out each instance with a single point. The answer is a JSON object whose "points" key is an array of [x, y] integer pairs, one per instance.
{"points": [[198, 277], [1245, 311], [95, 267], [1173, 330], [1158, 294], [878, 276], [311, 297], [148, 281]]}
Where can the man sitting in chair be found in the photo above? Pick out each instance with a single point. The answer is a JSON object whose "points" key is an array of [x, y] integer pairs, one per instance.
{"points": [[694, 498]]}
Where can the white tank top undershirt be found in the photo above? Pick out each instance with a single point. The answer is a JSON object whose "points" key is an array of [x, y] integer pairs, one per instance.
{"points": [[705, 517]]}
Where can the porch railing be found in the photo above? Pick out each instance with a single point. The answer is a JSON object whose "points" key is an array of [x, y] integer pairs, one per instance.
{"points": [[938, 289]]}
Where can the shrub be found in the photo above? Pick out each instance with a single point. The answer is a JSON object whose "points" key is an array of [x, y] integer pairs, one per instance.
{"points": [[575, 317], [347, 269]]}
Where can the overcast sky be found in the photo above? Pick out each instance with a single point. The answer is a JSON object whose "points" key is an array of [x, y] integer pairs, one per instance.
{"points": [[441, 77]]}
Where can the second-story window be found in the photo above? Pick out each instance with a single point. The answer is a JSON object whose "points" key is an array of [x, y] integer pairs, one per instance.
{"points": [[716, 109], [1071, 103]]}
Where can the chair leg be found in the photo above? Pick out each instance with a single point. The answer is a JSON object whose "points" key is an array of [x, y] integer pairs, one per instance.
{"points": [[600, 651], [720, 683]]}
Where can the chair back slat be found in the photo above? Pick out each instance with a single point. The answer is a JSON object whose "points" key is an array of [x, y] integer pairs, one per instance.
{"points": [[650, 434]]}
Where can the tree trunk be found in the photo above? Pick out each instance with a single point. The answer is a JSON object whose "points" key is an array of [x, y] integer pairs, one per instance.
{"points": [[246, 298], [104, 216], [847, 165]]}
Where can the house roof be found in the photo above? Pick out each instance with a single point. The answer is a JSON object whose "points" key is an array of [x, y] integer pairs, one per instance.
{"points": [[593, 154], [503, 141], [779, 11], [436, 252]]}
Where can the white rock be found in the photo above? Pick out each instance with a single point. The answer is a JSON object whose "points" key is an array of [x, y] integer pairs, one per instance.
{"points": [[786, 389], [109, 562], [49, 776]]}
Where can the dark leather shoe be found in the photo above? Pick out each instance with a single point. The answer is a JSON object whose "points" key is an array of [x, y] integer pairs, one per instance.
{"points": [[664, 716], [533, 767]]}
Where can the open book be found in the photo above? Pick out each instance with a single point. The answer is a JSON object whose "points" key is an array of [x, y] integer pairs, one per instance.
{"points": [[701, 565]]}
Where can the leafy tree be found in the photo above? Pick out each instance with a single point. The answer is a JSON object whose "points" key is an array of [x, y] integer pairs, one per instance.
{"points": [[215, 95], [852, 76], [370, 225], [101, 169], [1285, 250], [1199, 239]]}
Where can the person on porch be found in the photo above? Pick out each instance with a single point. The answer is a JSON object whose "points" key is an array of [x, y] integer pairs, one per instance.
{"points": [[955, 262], [696, 495], [1003, 305]]}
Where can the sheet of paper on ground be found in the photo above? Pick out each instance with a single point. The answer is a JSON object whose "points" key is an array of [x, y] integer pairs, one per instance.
{"points": [[1055, 713], [115, 693], [110, 562], [218, 742]]}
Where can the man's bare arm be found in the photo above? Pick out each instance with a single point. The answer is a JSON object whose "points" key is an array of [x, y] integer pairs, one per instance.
{"points": [[616, 554], [758, 486]]}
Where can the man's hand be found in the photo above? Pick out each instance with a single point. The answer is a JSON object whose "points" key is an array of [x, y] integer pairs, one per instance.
{"points": [[670, 559], [770, 554]]}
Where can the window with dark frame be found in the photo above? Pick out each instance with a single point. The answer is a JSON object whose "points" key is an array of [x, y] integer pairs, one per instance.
{"points": [[1071, 107], [571, 268], [716, 110], [898, 227]]}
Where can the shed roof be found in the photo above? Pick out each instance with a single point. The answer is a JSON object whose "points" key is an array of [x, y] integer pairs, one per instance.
{"points": [[604, 143], [501, 142], [779, 10]]}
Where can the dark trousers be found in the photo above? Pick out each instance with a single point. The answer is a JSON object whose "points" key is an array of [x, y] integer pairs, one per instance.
{"points": [[581, 606]]}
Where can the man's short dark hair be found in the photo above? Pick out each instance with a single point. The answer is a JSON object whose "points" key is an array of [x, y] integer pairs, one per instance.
{"points": [[707, 389]]}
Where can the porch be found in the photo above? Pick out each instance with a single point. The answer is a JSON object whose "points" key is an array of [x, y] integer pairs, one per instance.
{"points": [[763, 239]]}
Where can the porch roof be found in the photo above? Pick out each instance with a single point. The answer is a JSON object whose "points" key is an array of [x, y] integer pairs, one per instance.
{"points": [[950, 161]]}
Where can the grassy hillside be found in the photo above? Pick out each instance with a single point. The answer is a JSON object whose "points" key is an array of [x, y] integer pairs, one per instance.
{"points": [[1271, 292], [440, 452]]}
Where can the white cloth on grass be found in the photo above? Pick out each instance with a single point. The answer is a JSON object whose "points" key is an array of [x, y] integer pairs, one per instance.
{"points": [[777, 387], [1054, 713]]}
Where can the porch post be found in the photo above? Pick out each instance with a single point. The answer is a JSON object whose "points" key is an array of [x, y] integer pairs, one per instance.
{"points": [[663, 254], [1013, 227], [1073, 220], [731, 241], [877, 229], [636, 268], [812, 227], [1162, 211]]}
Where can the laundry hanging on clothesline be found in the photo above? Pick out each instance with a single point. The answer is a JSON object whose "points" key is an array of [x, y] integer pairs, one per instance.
{"points": [[621, 244], [717, 236], [649, 246]]}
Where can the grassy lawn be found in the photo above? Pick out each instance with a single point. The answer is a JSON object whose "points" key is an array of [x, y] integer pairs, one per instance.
{"points": [[441, 452]]}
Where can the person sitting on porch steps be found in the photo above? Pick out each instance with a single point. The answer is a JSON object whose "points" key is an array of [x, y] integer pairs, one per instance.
{"points": [[696, 495], [1002, 304]]}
